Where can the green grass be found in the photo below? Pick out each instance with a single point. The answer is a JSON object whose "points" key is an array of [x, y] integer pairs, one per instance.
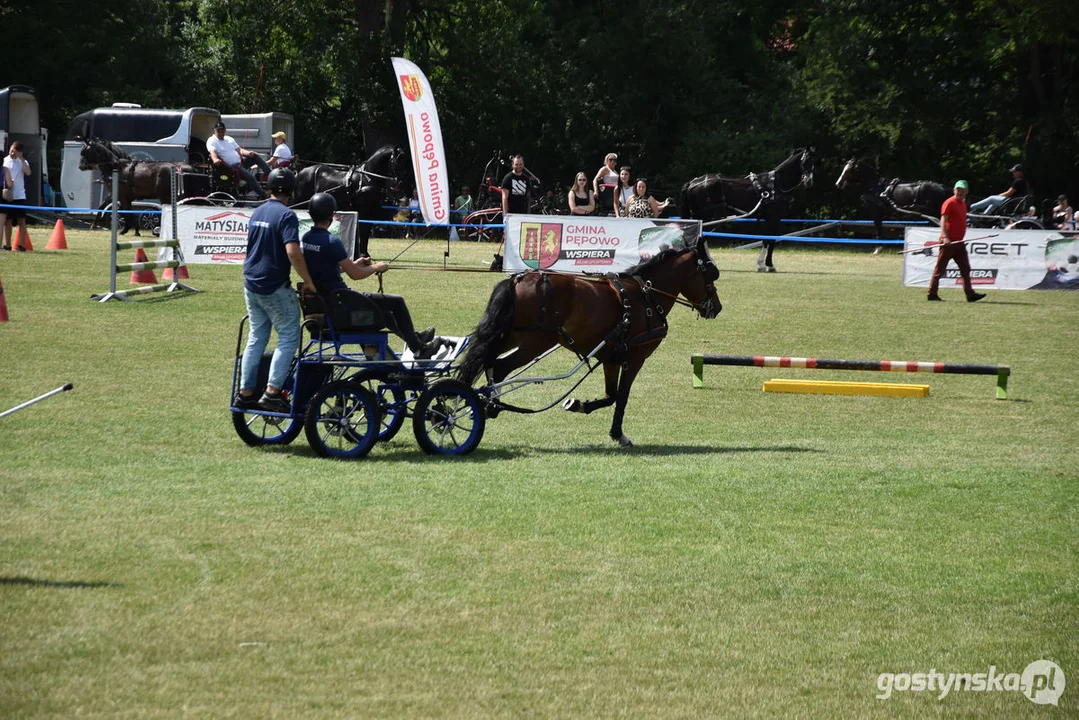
{"points": [[754, 554]]}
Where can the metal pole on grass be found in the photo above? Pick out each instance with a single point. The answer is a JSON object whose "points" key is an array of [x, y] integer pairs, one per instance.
{"points": [[28, 403]]}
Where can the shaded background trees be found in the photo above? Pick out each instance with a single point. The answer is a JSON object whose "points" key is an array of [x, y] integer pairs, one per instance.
{"points": [[931, 89]]}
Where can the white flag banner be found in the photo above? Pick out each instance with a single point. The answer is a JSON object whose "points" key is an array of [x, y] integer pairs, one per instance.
{"points": [[425, 138], [1004, 260], [583, 243]]}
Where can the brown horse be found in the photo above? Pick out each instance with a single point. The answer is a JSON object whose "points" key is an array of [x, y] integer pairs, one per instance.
{"points": [[531, 312], [138, 180]]}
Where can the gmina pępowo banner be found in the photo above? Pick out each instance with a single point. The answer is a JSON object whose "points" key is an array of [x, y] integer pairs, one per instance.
{"points": [[579, 244]]}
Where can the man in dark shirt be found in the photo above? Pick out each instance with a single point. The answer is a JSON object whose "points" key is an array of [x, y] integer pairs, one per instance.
{"points": [[516, 189], [327, 258], [991, 204], [273, 249]]}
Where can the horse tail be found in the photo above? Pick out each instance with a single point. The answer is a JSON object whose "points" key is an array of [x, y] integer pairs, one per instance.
{"points": [[495, 323]]}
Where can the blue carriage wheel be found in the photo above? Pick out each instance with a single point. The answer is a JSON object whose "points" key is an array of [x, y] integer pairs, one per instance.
{"points": [[448, 419], [257, 429], [393, 400], [342, 420]]}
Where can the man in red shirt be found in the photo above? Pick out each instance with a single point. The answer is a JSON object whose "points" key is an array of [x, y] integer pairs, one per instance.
{"points": [[953, 227]]}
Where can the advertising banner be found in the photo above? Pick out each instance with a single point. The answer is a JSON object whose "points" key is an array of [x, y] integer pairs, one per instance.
{"points": [[999, 259], [219, 234], [425, 139], [579, 244]]}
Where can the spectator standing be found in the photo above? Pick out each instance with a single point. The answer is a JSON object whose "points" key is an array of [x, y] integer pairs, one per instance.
{"points": [[604, 183], [991, 204], [623, 192], [462, 204], [581, 199], [516, 188], [643, 205], [1063, 215], [273, 250], [953, 228], [6, 185], [17, 170]]}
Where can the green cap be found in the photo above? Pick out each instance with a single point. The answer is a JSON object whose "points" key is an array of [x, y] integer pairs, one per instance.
{"points": [[961, 185]]}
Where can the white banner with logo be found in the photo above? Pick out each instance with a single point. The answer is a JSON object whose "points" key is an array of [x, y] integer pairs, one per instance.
{"points": [[999, 259], [578, 244], [425, 139], [219, 234]]}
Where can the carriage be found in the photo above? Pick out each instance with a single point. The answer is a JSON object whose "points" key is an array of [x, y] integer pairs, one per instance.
{"points": [[348, 389]]}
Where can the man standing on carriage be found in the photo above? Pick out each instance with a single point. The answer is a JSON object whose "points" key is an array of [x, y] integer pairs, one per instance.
{"points": [[224, 150], [273, 250]]}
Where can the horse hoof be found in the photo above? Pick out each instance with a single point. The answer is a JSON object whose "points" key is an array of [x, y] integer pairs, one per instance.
{"points": [[571, 405], [625, 441]]}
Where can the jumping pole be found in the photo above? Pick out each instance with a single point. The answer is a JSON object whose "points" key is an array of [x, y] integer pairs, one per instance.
{"points": [[1001, 371]]}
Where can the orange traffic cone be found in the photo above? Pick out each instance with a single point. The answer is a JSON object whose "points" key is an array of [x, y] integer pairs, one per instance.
{"points": [[3, 304], [143, 276], [22, 237], [57, 241], [167, 273]]}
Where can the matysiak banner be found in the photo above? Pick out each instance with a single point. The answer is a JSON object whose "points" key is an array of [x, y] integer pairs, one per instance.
{"points": [[425, 138]]}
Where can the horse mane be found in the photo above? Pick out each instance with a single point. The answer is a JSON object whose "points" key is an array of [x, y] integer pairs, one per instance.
{"points": [[658, 259]]}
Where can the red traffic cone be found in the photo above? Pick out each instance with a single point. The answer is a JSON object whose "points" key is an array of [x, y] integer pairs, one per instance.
{"points": [[143, 276], [167, 273], [3, 304], [57, 241], [22, 237]]}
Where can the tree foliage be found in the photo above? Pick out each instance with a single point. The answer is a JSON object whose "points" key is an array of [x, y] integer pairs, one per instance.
{"points": [[924, 88]]}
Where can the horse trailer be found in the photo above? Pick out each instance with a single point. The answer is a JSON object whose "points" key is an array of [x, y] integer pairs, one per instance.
{"points": [[143, 133], [254, 132], [20, 120]]}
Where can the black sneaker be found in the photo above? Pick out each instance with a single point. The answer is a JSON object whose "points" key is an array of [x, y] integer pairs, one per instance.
{"points": [[430, 349], [274, 403], [245, 402], [22, 248], [426, 336], [934, 298], [975, 297]]}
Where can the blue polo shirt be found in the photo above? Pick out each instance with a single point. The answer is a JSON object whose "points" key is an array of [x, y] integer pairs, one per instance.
{"points": [[323, 254], [273, 226]]}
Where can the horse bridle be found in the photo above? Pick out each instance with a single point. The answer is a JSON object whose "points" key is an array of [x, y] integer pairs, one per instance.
{"points": [[708, 268]]}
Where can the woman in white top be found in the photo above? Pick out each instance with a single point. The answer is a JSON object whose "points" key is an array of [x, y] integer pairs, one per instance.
{"points": [[581, 199], [603, 185], [282, 153], [623, 192]]}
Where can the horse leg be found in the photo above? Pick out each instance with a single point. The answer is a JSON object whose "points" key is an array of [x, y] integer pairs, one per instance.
{"points": [[526, 347], [625, 381], [365, 236], [610, 380]]}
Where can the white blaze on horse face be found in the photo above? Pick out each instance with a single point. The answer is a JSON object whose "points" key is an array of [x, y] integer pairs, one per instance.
{"points": [[842, 181]]}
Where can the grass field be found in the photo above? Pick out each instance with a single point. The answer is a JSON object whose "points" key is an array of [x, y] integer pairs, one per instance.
{"points": [[755, 554]]}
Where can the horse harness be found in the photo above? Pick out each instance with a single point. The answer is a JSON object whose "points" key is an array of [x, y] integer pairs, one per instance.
{"points": [[616, 336]]}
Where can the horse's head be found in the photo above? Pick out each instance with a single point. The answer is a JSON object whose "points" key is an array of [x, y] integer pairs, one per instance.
{"points": [[808, 163], [858, 173], [96, 153], [701, 289], [848, 175]]}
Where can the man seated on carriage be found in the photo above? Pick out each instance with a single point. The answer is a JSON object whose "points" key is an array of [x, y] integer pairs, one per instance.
{"points": [[224, 150], [993, 203], [326, 258]]}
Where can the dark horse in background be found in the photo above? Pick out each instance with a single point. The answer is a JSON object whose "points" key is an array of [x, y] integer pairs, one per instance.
{"points": [[366, 188], [888, 198], [139, 180], [532, 312], [764, 195]]}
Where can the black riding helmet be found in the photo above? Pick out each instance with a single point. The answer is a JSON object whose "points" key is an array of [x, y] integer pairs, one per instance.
{"points": [[321, 207], [281, 181]]}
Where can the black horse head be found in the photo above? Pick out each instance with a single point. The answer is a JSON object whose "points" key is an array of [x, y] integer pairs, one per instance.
{"points": [[795, 170], [859, 174], [97, 152]]}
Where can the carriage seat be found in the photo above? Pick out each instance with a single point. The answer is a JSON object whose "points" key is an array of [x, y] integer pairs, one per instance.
{"points": [[347, 311]]}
